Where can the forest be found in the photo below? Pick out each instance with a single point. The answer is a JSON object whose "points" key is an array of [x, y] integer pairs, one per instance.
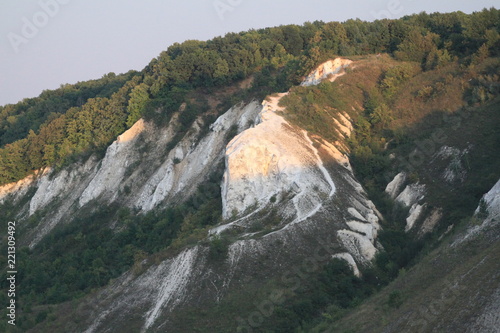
{"points": [[408, 67], [76, 120]]}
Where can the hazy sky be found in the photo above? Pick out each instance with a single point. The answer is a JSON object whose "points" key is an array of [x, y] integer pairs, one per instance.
{"points": [[45, 43]]}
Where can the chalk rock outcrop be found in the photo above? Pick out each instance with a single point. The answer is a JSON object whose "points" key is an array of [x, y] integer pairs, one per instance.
{"points": [[271, 160], [492, 202], [330, 69]]}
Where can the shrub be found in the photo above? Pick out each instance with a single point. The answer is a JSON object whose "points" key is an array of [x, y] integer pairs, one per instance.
{"points": [[219, 246], [396, 76], [395, 299]]}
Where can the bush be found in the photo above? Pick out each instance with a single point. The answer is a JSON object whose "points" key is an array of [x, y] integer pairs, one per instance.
{"points": [[395, 299], [219, 246], [396, 76]]}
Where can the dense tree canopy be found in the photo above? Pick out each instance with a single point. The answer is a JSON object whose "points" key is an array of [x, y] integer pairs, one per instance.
{"points": [[78, 118]]}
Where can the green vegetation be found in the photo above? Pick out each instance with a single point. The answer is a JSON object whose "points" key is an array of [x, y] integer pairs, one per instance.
{"points": [[315, 109], [16, 120], [83, 118], [436, 71], [427, 296], [83, 255], [334, 286], [218, 247]]}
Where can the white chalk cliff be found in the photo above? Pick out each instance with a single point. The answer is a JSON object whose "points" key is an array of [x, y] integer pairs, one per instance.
{"points": [[492, 202], [270, 160], [275, 159], [270, 165]]}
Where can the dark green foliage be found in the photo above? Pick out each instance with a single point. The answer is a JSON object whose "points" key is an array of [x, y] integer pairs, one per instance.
{"points": [[333, 285], [86, 253], [233, 131], [483, 210], [78, 119], [219, 246], [80, 130], [187, 116], [160, 108], [395, 299], [417, 46], [400, 249], [139, 98], [396, 76], [16, 120], [370, 166]]}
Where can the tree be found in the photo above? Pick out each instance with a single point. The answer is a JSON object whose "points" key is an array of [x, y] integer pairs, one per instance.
{"points": [[334, 36], [293, 42], [437, 59], [381, 116], [139, 97], [417, 46]]}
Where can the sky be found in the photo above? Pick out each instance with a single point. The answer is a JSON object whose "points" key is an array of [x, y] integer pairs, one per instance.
{"points": [[46, 43]]}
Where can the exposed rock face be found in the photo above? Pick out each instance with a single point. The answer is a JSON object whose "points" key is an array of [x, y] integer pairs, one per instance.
{"points": [[431, 221], [456, 158], [492, 202], [415, 212], [489, 320], [350, 260], [19, 188], [161, 288], [274, 159], [358, 245], [172, 287], [330, 69], [411, 197], [126, 175], [113, 166], [270, 164], [488, 212], [394, 187], [195, 159], [64, 188], [271, 160], [412, 194]]}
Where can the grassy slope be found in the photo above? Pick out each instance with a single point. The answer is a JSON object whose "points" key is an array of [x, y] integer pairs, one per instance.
{"points": [[475, 123], [419, 117], [448, 287], [445, 292], [435, 102]]}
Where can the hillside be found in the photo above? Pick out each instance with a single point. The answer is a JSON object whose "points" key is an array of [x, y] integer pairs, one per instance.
{"points": [[316, 178]]}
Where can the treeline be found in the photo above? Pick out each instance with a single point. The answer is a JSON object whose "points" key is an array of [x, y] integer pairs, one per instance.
{"points": [[80, 128], [65, 123], [16, 120]]}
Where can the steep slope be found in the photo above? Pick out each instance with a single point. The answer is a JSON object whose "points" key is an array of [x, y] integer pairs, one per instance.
{"points": [[272, 159], [290, 205], [280, 186], [456, 287], [128, 176]]}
